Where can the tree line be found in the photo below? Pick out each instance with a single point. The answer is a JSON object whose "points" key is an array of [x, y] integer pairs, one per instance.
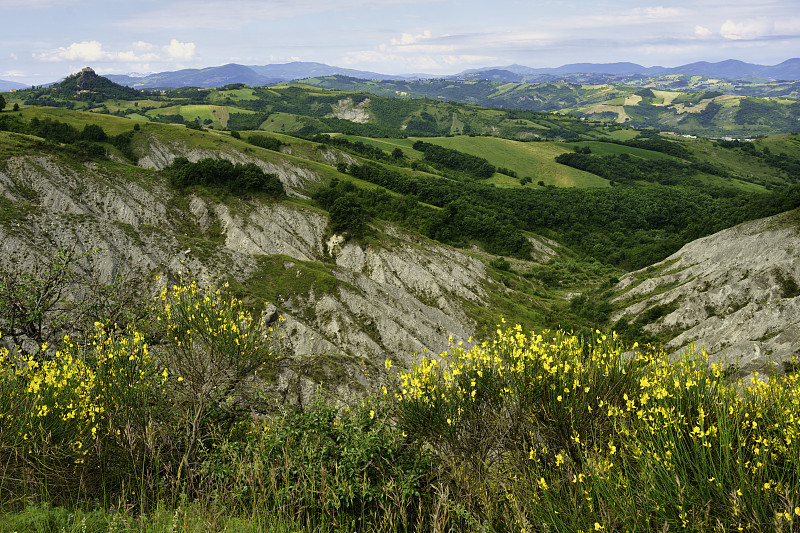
{"points": [[630, 226]]}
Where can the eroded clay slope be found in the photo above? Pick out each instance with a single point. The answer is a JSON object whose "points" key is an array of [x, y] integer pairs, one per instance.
{"points": [[734, 294]]}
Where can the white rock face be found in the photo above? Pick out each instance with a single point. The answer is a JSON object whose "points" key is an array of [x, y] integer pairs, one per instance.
{"points": [[394, 299], [734, 294], [346, 109]]}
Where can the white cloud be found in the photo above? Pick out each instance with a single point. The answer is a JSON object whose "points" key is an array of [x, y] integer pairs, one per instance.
{"points": [[745, 30], [84, 50], [143, 46], [702, 31], [93, 51], [131, 57], [13, 74], [179, 50], [657, 12], [13, 56], [639, 15], [410, 38], [191, 14]]}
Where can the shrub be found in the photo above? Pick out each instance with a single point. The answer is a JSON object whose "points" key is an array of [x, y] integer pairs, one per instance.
{"points": [[263, 141], [548, 431], [59, 413], [105, 419], [500, 263], [236, 178], [350, 470], [348, 215]]}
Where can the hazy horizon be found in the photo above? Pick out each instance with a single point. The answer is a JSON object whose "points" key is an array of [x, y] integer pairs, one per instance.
{"points": [[46, 40]]}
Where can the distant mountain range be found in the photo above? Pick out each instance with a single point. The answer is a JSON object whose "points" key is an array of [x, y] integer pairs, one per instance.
{"points": [[789, 70], [213, 77], [254, 75], [11, 86]]}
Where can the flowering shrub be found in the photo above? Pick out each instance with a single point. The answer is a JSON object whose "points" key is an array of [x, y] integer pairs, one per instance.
{"points": [[57, 414], [547, 430], [105, 417], [531, 432], [214, 348]]}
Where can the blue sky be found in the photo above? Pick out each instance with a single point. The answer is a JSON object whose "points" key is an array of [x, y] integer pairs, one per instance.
{"points": [[45, 40]]}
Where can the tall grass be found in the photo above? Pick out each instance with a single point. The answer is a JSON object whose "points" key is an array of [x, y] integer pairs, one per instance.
{"points": [[181, 423]]}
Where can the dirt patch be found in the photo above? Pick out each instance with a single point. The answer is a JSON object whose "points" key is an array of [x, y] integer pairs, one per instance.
{"points": [[622, 116], [633, 99], [221, 114]]}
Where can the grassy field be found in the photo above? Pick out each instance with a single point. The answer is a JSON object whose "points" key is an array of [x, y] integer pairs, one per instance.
{"points": [[219, 96], [218, 115], [387, 145], [285, 122], [527, 159], [534, 159], [111, 124]]}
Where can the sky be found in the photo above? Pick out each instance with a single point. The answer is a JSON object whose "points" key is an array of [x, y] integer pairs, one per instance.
{"points": [[43, 41]]}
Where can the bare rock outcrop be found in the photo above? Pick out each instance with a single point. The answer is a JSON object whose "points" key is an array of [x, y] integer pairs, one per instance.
{"points": [[734, 294], [392, 298], [347, 109]]}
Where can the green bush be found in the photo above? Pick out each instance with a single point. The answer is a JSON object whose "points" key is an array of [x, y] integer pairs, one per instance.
{"points": [[550, 431], [348, 215], [101, 419], [350, 470], [236, 178]]}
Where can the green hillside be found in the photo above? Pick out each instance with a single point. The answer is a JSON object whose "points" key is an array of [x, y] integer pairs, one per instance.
{"points": [[692, 106], [534, 160], [679, 105], [370, 140], [340, 210]]}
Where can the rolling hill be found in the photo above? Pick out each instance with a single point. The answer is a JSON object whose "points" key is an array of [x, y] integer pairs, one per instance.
{"points": [[682, 111]]}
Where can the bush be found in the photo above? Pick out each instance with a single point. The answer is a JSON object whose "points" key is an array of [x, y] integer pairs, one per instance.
{"points": [[348, 215], [64, 410], [351, 470], [500, 263], [263, 141], [236, 178], [93, 133], [476, 167], [103, 420], [570, 433]]}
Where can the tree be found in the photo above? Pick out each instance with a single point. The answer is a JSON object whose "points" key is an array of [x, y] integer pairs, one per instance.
{"points": [[57, 297], [2, 102], [94, 133], [347, 214]]}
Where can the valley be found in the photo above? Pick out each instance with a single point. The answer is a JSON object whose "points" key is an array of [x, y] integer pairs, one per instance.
{"points": [[566, 205], [421, 285]]}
